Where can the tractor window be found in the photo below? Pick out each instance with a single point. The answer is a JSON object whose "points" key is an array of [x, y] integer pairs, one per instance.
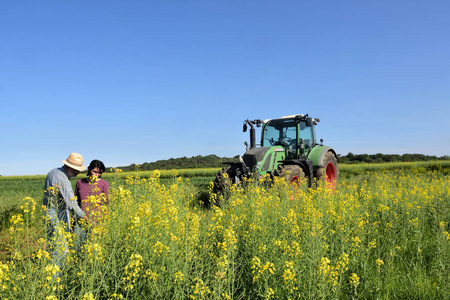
{"points": [[306, 133], [280, 132]]}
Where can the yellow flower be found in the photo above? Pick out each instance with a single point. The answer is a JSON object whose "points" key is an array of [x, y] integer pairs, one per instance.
{"points": [[179, 277], [269, 293], [354, 280], [88, 296], [379, 263], [372, 244]]}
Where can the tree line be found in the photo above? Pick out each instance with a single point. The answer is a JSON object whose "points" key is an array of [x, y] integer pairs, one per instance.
{"points": [[214, 161], [351, 158], [209, 161]]}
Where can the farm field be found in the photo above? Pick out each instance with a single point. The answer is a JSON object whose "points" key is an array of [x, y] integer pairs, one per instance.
{"points": [[383, 233]]}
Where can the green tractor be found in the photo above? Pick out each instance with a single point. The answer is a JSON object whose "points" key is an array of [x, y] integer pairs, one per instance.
{"points": [[288, 149]]}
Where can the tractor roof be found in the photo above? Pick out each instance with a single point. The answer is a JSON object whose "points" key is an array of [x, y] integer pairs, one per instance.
{"points": [[284, 117], [292, 116], [301, 116]]}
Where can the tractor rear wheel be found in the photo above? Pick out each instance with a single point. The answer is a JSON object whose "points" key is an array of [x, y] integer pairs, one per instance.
{"points": [[293, 174], [329, 172]]}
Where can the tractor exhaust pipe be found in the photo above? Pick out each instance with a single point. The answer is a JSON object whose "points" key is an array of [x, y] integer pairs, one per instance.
{"points": [[252, 136], [252, 130]]}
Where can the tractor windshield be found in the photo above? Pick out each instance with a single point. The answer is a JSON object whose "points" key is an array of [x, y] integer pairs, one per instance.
{"points": [[280, 132], [283, 132]]}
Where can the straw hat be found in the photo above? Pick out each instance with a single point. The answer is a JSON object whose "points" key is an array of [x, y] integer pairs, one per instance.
{"points": [[75, 161]]}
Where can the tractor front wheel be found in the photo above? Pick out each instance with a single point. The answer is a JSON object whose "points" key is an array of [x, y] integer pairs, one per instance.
{"points": [[224, 179], [293, 174]]}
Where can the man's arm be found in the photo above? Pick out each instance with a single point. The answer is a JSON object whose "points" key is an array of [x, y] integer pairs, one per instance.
{"points": [[69, 198]]}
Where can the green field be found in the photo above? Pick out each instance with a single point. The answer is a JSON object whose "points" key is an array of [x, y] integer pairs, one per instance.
{"points": [[382, 234], [15, 188]]}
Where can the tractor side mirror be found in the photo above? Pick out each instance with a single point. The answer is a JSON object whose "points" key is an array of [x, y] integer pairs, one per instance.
{"points": [[309, 122], [245, 127]]}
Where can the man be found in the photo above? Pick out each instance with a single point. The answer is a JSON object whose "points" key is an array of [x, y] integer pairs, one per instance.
{"points": [[61, 203]]}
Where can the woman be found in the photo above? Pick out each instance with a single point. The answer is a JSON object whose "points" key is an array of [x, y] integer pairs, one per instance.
{"points": [[93, 192]]}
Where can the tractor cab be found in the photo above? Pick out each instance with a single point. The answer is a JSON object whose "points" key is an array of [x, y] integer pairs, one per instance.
{"points": [[296, 134]]}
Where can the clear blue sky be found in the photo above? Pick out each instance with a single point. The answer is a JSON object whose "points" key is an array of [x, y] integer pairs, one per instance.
{"points": [[139, 81]]}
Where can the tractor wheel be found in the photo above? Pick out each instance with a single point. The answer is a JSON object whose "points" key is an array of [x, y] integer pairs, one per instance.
{"points": [[329, 172], [293, 174], [222, 181]]}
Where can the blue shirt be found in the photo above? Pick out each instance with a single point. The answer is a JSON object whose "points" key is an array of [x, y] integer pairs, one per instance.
{"points": [[62, 198]]}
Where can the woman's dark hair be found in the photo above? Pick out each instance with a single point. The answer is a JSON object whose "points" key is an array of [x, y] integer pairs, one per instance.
{"points": [[96, 164]]}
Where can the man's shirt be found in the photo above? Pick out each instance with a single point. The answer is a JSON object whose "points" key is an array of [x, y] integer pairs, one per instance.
{"points": [[58, 192]]}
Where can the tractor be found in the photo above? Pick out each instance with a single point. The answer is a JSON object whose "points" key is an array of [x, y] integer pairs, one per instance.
{"points": [[288, 149]]}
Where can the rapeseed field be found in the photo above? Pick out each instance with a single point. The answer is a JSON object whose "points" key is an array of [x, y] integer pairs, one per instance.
{"points": [[380, 235]]}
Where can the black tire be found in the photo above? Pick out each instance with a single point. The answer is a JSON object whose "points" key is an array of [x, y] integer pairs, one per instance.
{"points": [[221, 183], [293, 174], [329, 171]]}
